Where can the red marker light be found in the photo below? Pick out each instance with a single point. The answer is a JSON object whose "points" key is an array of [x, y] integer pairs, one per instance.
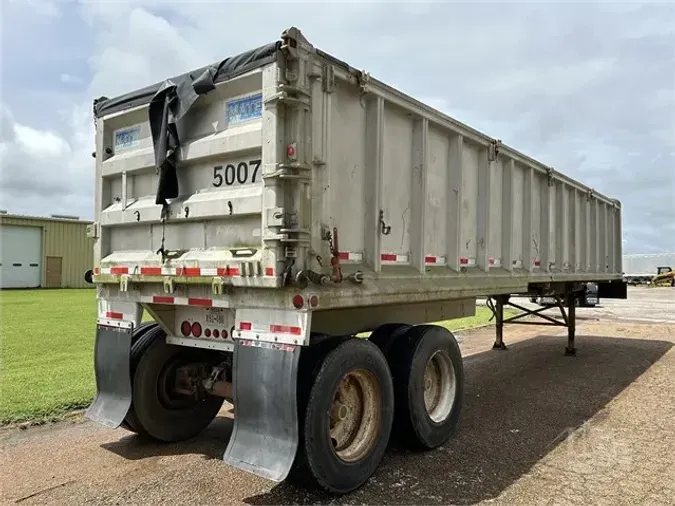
{"points": [[298, 301], [185, 328], [216, 333], [196, 329], [207, 332]]}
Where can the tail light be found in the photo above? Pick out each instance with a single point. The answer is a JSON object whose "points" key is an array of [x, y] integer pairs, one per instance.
{"points": [[196, 329]]}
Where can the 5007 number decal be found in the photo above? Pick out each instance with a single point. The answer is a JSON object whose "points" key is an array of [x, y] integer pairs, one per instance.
{"points": [[242, 173]]}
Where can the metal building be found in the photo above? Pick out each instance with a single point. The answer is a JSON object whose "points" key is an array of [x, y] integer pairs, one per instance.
{"points": [[44, 252]]}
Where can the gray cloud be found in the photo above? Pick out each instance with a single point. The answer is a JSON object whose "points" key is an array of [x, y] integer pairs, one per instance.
{"points": [[587, 88]]}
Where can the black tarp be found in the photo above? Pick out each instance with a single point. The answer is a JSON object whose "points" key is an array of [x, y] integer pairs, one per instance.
{"points": [[170, 100]]}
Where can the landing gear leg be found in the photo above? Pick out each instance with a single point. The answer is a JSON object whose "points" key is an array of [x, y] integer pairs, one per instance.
{"points": [[499, 316], [570, 350]]}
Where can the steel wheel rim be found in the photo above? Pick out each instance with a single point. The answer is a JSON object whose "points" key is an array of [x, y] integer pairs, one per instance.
{"points": [[355, 415], [439, 386], [166, 392]]}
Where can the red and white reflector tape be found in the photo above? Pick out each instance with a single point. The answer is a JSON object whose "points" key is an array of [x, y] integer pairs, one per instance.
{"points": [[517, 264], [434, 260], [536, 263], [285, 329], [467, 262], [229, 271], [394, 258], [349, 256], [184, 301]]}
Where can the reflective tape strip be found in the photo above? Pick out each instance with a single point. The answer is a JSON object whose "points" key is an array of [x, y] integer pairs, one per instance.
{"points": [[517, 263], [434, 260], [188, 271], [349, 256], [285, 329], [114, 315], [195, 301], [163, 299], [151, 271], [175, 271], [184, 301], [394, 258], [269, 271], [228, 271], [467, 262], [537, 263]]}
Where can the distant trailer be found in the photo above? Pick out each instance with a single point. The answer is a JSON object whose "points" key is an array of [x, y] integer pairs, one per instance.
{"points": [[641, 268]]}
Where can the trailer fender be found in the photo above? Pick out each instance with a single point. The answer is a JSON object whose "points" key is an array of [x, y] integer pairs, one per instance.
{"points": [[113, 382], [264, 440]]}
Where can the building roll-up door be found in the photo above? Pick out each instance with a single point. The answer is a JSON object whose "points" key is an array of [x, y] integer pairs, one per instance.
{"points": [[21, 256]]}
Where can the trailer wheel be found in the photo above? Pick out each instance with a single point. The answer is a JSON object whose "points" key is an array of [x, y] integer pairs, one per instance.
{"points": [[347, 418], [138, 346], [163, 413], [384, 335], [428, 383]]}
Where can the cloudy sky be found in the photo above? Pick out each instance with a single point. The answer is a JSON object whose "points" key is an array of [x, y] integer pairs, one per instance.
{"points": [[586, 88]]}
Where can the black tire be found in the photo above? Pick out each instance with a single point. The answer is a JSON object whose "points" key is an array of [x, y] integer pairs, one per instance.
{"points": [[162, 414], [384, 335], [411, 352], [317, 462], [130, 421]]}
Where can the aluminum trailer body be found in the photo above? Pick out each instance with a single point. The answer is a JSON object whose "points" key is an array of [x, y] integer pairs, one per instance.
{"points": [[641, 268], [262, 207]]}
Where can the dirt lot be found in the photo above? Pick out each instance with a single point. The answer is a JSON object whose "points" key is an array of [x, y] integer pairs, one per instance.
{"points": [[537, 428]]}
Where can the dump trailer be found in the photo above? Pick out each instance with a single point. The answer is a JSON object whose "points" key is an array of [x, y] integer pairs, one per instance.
{"points": [[270, 210]]}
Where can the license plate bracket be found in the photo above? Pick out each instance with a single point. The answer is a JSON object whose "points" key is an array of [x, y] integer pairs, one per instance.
{"points": [[215, 316]]}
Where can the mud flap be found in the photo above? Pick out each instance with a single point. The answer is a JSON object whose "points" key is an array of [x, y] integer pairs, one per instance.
{"points": [[113, 381], [265, 436]]}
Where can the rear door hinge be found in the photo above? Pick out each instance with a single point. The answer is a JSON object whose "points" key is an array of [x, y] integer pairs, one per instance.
{"points": [[124, 282], [217, 286], [168, 285]]}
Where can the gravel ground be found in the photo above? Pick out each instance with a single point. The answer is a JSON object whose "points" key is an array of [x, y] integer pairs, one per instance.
{"points": [[537, 428]]}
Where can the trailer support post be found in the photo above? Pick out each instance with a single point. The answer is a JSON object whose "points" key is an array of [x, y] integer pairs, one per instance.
{"points": [[571, 322], [499, 316]]}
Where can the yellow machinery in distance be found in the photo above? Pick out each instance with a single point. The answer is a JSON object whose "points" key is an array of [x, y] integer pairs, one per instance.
{"points": [[664, 276]]}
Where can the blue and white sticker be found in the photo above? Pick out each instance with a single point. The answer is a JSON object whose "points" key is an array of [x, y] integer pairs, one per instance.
{"points": [[127, 138], [244, 109]]}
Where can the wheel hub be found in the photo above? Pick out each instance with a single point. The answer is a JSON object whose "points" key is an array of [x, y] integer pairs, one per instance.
{"points": [[439, 386], [355, 415]]}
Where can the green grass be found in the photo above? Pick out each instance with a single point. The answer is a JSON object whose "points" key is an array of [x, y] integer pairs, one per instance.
{"points": [[482, 317], [47, 352]]}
